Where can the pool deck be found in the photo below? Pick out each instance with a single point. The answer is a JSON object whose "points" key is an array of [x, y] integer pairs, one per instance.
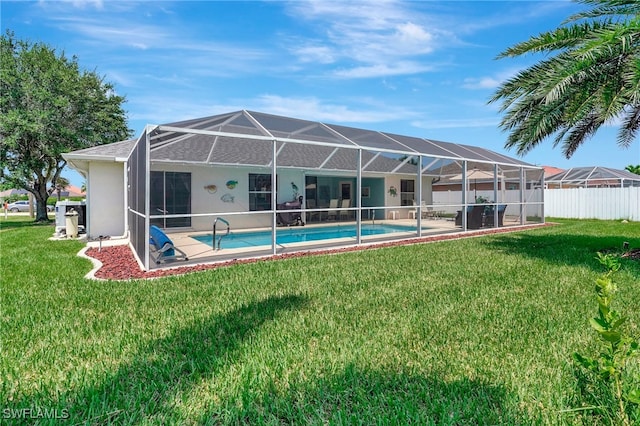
{"points": [[199, 252]]}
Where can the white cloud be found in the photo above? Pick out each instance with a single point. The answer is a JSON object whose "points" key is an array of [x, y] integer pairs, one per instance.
{"points": [[153, 109], [376, 39], [314, 54], [114, 33], [412, 34], [490, 82], [383, 70], [481, 83], [456, 123], [313, 108], [82, 4]]}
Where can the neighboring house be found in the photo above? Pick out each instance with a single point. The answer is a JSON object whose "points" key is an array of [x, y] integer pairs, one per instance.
{"points": [[550, 171], [11, 192], [182, 175], [69, 191]]}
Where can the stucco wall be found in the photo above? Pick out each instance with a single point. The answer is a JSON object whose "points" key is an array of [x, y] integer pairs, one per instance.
{"points": [[106, 205], [105, 199], [227, 200], [232, 199], [395, 201]]}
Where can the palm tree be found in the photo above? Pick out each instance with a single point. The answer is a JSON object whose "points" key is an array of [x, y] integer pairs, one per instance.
{"points": [[633, 169], [60, 185], [589, 77]]}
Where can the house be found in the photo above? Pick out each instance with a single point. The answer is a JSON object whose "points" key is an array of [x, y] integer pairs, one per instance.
{"points": [[69, 191], [245, 165]]}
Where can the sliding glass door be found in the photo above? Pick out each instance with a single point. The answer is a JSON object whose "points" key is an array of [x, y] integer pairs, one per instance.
{"points": [[170, 193]]}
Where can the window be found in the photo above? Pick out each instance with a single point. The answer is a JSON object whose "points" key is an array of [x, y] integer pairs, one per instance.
{"points": [[259, 192], [170, 193], [407, 192]]}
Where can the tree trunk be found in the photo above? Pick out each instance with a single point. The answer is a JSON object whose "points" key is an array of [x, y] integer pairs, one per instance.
{"points": [[41, 195]]}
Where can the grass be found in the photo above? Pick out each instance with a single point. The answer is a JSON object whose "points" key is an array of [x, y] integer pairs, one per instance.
{"points": [[474, 331]]}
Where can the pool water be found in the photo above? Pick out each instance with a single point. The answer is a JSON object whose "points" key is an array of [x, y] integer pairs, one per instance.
{"points": [[300, 234]]}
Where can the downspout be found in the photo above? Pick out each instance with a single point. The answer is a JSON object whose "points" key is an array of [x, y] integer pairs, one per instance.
{"points": [[126, 199]]}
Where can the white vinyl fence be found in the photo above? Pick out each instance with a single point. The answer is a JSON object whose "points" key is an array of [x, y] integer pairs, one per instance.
{"points": [[593, 203]]}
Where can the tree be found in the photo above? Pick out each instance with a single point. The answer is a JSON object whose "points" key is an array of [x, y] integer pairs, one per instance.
{"points": [[633, 169], [60, 185], [590, 77], [49, 106]]}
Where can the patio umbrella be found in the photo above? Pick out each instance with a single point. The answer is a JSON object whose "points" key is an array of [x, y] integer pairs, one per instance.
{"points": [[476, 174]]}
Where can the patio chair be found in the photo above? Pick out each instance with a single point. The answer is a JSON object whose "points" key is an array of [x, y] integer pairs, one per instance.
{"points": [[346, 203], [164, 247], [311, 204], [474, 217], [427, 212], [333, 205], [489, 218], [414, 212]]}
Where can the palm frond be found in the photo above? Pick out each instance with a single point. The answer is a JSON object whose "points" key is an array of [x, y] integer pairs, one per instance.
{"points": [[591, 78]]}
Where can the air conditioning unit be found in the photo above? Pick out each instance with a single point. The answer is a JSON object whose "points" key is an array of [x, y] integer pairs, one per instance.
{"points": [[62, 207]]}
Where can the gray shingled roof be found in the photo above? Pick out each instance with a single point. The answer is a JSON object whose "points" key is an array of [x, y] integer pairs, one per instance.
{"points": [[118, 150]]}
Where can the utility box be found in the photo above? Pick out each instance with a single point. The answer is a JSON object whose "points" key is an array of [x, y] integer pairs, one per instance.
{"points": [[71, 223], [62, 207]]}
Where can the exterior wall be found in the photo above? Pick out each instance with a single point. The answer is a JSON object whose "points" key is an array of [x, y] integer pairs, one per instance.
{"points": [[107, 210], [394, 201], [227, 201], [391, 200], [427, 190], [105, 199]]}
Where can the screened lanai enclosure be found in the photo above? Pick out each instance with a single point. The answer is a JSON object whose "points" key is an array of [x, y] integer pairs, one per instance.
{"points": [[593, 177], [249, 184]]}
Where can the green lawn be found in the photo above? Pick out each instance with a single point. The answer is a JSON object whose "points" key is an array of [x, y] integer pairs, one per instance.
{"points": [[474, 331]]}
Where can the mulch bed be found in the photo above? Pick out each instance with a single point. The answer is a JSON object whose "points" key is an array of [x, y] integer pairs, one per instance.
{"points": [[118, 262], [632, 254]]}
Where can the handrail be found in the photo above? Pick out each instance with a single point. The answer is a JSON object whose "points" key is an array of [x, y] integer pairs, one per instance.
{"points": [[215, 222]]}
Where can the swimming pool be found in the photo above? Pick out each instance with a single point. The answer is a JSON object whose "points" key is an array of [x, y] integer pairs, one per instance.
{"points": [[300, 234]]}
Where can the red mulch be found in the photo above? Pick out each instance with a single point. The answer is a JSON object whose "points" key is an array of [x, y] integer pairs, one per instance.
{"points": [[632, 254], [118, 262]]}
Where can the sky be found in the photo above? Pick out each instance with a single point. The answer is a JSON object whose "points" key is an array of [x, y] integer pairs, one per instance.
{"points": [[417, 68]]}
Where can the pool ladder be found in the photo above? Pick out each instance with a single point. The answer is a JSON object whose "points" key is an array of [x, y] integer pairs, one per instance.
{"points": [[215, 222]]}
